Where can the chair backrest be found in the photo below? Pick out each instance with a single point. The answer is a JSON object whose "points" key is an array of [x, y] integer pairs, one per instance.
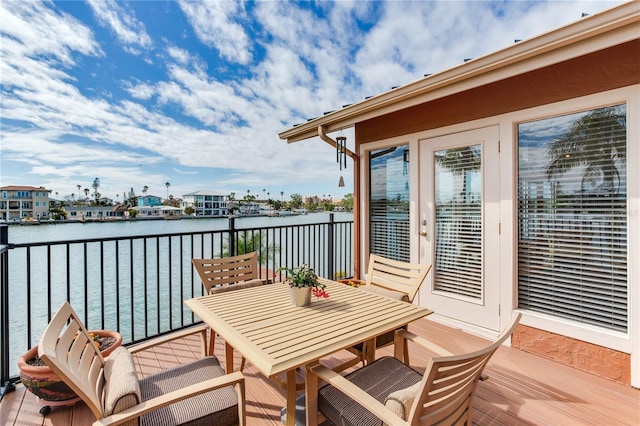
{"points": [[69, 351], [445, 394], [396, 276], [227, 270]]}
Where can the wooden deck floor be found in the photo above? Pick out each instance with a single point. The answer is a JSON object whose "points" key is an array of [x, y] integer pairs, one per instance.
{"points": [[523, 389]]}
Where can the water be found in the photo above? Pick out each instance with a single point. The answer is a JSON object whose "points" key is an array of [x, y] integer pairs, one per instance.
{"points": [[71, 231]]}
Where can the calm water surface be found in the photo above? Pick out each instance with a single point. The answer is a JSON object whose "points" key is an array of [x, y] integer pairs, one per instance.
{"points": [[71, 231]]}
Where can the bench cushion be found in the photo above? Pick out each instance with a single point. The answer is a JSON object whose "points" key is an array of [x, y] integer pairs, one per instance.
{"points": [[379, 379], [218, 407]]}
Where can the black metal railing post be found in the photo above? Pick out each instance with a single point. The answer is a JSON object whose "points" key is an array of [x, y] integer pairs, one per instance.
{"points": [[330, 248], [6, 385], [232, 236]]}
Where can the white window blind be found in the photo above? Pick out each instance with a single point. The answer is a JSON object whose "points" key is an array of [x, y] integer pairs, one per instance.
{"points": [[458, 236], [389, 203], [572, 199]]}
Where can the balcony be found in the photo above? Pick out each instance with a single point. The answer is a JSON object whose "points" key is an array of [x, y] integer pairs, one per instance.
{"points": [[523, 389]]}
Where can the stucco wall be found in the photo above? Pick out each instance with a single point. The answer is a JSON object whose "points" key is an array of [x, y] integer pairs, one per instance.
{"points": [[598, 360]]}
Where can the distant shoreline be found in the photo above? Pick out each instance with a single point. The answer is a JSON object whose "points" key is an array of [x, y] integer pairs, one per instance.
{"points": [[35, 222]]}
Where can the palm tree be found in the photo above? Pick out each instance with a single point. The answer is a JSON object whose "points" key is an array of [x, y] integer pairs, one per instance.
{"points": [[596, 141], [144, 190], [96, 185], [282, 195], [167, 184], [86, 192], [78, 186], [459, 161], [250, 241]]}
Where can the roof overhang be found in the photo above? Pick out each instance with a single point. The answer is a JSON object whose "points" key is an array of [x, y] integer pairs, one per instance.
{"points": [[590, 34]]}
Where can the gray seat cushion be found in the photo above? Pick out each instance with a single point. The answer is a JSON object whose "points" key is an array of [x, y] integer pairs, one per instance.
{"points": [[219, 407], [378, 379], [381, 340]]}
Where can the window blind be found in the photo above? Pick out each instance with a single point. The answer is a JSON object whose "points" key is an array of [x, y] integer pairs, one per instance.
{"points": [[389, 203], [458, 232], [572, 202]]}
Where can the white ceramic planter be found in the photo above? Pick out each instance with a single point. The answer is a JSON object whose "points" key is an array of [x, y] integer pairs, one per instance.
{"points": [[300, 296]]}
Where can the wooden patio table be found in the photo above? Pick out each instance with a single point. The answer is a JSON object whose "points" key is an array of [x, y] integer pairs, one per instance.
{"points": [[277, 337]]}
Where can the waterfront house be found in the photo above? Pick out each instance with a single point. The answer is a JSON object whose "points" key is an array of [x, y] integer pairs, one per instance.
{"points": [[149, 201], [89, 213], [517, 176], [206, 203], [19, 202], [155, 212]]}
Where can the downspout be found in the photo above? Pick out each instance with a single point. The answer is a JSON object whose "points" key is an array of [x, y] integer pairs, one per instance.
{"points": [[356, 202]]}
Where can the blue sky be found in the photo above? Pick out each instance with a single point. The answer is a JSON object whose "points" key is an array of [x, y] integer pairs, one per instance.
{"points": [[195, 93]]}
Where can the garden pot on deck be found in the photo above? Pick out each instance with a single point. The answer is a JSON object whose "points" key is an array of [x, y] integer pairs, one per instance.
{"points": [[45, 384]]}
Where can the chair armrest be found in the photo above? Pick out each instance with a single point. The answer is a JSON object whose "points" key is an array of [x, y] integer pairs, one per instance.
{"points": [[200, 328], [427, 344], [178, 395], [357, 394]]}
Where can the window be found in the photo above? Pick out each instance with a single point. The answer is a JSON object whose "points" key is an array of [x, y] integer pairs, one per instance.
{"points": [[572, 199], [389, 203], [458, 194]]}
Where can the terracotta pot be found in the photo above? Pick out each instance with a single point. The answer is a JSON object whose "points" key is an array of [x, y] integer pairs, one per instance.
{"points": [[353, 282], [45, 384], [301, 296]]}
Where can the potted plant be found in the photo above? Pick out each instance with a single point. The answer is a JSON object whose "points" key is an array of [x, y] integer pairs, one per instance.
{"points": [[303, 281], [40, 380]]}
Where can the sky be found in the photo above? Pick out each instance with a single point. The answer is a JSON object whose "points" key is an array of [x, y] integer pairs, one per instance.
{"points": [[194, 94]]}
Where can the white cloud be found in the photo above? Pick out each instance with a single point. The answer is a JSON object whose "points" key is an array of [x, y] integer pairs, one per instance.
{"points": [[32, 29], [129, 30], [214, 22]]}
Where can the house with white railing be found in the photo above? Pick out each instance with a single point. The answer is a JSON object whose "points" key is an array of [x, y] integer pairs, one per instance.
{"points": [[19, 202], [206, 203]]}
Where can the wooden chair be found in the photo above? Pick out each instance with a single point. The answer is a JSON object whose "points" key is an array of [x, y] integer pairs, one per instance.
{"points": [[387, 391], [224, 274], [199, 391], [394, 279], [228, 273]]}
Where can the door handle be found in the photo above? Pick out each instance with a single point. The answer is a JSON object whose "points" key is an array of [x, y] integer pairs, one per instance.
{"points": [[423, 233]]}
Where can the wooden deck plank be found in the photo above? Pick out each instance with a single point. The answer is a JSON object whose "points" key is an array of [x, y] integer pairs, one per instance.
{"points": [[523, 389]]}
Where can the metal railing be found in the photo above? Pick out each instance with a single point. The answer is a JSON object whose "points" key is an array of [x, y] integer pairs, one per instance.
{"points": [[137, 284]]}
